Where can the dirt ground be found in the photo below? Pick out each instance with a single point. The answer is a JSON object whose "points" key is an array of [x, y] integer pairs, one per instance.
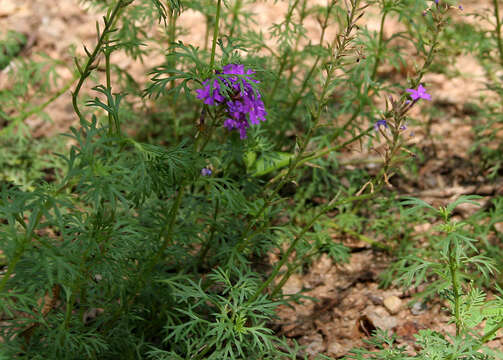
{"points": [[350, 303]]}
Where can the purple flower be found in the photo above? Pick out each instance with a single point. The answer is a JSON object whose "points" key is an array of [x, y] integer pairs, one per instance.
{"points": [[243, 104], [380, 123], [436, 2], [460, 7], [206, 171], [420, 93]]}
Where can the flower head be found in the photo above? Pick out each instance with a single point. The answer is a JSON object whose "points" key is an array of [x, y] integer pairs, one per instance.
{"points": [[243, 104], [206, 171], [380, 123], [420, 93]]}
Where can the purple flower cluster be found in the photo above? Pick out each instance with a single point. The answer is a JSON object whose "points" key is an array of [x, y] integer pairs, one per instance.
{"points": [[244, 105]]}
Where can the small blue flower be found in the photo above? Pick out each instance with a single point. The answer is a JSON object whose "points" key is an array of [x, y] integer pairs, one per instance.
{"points": [[206, 171], [380, 123]]}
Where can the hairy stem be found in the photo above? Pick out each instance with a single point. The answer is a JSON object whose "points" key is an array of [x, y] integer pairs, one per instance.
{"points": [[215, 35]]}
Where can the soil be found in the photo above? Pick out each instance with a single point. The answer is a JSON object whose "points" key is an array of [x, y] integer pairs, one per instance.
{"points": [[350, 303]]}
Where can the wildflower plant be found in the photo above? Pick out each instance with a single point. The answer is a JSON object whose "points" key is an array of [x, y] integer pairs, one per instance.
{"points": [[447, 269], [149, 240]]}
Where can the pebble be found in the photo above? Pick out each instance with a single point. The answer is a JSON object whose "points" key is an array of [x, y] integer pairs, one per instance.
{"points": [[314, 344], [418, 308], [393, 304], [379, 318]]}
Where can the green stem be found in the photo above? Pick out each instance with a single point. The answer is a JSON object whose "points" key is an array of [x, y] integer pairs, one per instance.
{"points": [[429, 57], [379, 44], [167, 230], [84, 73], [207, 32], [215, 36], [68, 312], [282, 65], [208, 243], [326, 151], [109, 87], [172, 38], [360, 237], [453, 268], [491, 332], [292, 268], [12, 264], [288, 20], [235, 16], [341, 130], [298, 96], [498, 30], [283, 260]]}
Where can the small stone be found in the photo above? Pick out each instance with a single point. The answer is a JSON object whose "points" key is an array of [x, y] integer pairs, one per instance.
{"points": [[393, 304], [314, 344], [407, 330], [340, 348], [376, 300], [379, 318], [293, 285], [418, 308]]}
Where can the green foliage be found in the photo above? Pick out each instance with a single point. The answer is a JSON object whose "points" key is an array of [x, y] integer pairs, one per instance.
{"points": [[449, 267], [10, 47], [118, 244]]}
